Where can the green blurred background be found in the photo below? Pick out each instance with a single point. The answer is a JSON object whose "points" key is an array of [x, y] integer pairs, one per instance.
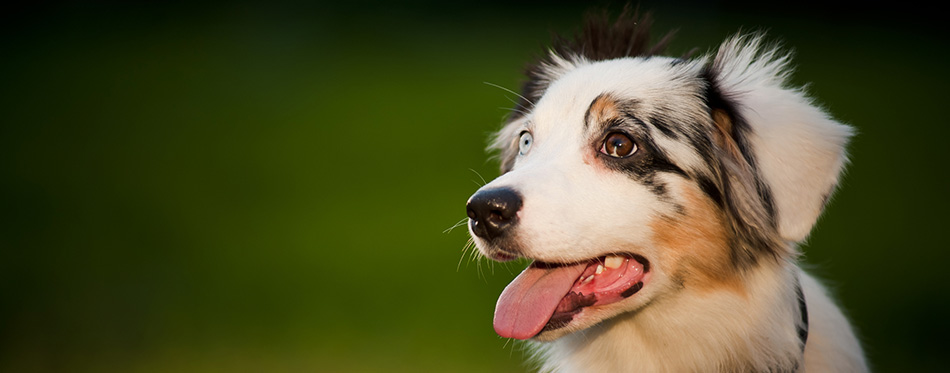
{"points": [[240, 187]]}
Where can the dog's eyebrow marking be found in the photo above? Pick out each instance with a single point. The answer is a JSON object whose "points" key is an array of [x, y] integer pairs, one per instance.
{"points": [[596, 104], [605, 109]]}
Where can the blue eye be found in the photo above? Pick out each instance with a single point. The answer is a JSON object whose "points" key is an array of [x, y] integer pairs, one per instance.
{"points": [[524, 143]]}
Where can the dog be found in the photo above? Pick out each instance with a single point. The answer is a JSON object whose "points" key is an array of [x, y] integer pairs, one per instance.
{"points": [[661, 201]]}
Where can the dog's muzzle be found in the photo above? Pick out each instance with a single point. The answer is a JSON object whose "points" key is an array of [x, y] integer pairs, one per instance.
{"points": [[493, 212]]}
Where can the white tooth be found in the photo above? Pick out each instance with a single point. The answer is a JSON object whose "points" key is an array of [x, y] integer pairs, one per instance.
{"points": [[600, 269], [613, 262], [588, 279]]}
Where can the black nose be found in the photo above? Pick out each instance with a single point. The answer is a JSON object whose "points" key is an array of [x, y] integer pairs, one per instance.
{"points": [[494, 211]]}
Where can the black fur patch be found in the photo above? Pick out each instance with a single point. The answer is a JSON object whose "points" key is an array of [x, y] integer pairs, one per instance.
{"points": [[661, 123], [711, 190], [698, 137], [802, 328], [600, 38]]}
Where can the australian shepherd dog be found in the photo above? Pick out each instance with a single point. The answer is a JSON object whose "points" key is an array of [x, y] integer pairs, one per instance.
{"points": [[661, 202]]}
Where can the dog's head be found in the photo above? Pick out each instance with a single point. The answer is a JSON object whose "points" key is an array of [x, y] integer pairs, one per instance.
{"points": [[629, 177]]}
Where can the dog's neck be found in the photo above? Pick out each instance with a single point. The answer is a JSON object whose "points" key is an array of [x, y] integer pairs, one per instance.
{"points": [[696, 331]]}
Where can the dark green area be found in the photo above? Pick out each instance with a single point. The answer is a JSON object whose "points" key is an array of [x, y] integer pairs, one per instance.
{"points": [[240, 187]]}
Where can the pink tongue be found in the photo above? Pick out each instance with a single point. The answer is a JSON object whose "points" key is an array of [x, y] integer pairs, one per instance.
{"points": [[531, 298]]}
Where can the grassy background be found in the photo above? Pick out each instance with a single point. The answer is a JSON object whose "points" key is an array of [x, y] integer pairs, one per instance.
{"points": [[247, 187]]}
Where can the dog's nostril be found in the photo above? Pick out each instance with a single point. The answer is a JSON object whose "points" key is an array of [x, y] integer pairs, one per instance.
{"points": [[493, 211], [496, 215]]}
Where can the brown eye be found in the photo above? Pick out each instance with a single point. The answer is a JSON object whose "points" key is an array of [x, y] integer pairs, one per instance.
{"points": [[618, 145]]}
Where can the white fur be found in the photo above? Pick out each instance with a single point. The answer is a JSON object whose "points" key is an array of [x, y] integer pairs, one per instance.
{"points": [[576, 209]]}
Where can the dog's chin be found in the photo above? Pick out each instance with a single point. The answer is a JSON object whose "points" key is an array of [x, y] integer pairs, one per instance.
{"points": [[549, 300]]}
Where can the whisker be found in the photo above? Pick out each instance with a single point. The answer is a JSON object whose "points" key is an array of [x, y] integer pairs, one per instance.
{"points": [[479, 176], [468, 249], [462, 222], [478, 267], [461, 257], [512, 92], [516, 110]]}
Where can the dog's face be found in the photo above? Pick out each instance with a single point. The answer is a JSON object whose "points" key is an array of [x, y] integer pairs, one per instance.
{"points": [[596, 177], [590, 164], [633, 179]]}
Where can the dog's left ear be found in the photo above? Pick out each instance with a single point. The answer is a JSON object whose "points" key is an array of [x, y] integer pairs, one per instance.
{"points": [[797, 151]]}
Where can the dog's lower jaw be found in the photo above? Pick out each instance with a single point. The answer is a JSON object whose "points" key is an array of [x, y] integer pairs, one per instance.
{"points": [[699, 330]]}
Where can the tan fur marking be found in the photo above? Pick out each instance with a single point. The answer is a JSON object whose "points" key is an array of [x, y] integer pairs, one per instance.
{"points": [[722, 120], [605, 107], [724, 136], [698, 245]]}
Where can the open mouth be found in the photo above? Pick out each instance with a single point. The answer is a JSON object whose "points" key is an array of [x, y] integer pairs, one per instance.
{"points": [[547, 296]]}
